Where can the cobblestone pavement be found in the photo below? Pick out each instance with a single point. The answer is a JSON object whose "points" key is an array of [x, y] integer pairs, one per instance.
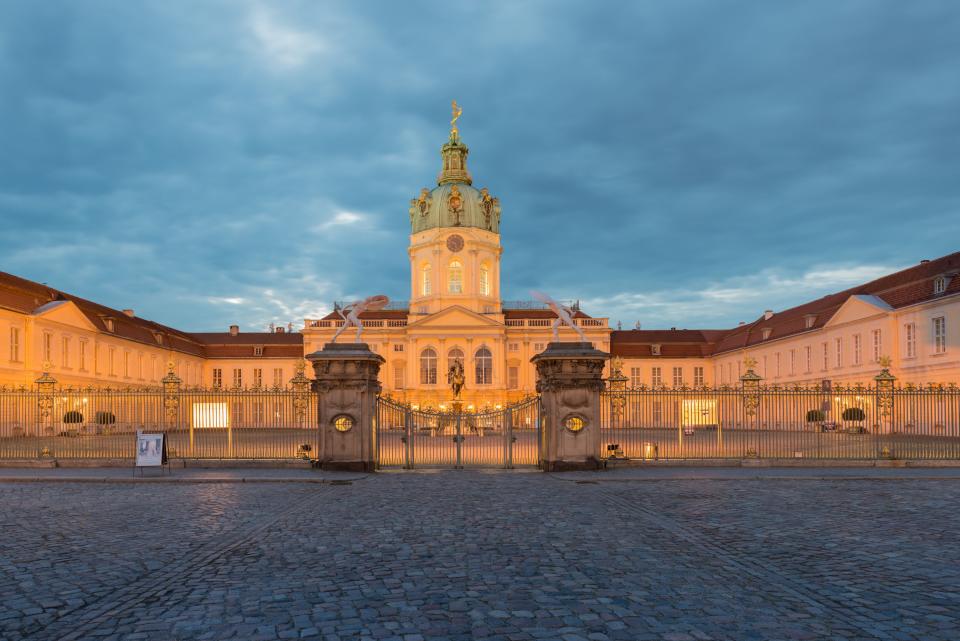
{"points": [[473, 555]]}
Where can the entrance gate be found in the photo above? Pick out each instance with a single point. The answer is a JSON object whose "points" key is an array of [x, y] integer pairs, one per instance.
{"points": [[506, 438]]}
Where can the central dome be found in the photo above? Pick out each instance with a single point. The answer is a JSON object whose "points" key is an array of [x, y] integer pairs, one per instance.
{"points": [[454, 202], [455, 205]]}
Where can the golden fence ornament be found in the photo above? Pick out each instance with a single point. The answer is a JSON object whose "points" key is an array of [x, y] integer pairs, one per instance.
{"points": [[171, 393], [301, 391], [750, 382]]}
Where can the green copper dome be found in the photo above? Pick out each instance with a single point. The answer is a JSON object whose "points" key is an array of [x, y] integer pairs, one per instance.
{"points": [[454, 202]]}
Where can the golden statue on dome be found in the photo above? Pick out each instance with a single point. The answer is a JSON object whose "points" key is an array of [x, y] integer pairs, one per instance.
{"points": [[457, 112]]}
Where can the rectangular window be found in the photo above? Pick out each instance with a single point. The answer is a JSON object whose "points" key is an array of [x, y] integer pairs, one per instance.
{"points": [[47, 348], [111, 358], [153, 367], [538, 347], [793, 362], [513, 377], [657, 377], [910, 334], [82, 354], [677, 376], [778, 364], [939, 335], [809, 357], [766, 373], [826, 356], [513, 347], [399, 376], [237, 377], [698, 376], [838, 344], [126, 364], [65, 351], [258, 350], [877, 345], [857, 349], [635, 379], [15, 344], [257, 377], [217, 378], [398, 347], [278, 377], [140, 366]]}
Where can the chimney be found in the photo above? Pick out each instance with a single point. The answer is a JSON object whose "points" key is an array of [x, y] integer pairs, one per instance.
{"points": [[767, 314], [129, 312], [924, 261], [234, 330], [741, 324], [279, 330]]}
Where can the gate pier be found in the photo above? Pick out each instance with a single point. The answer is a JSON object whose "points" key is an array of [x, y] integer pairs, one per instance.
{"points": [[569, 380], [347, 387]]}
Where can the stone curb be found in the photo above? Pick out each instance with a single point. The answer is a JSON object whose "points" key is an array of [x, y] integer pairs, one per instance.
{"points": [[196, 481]]}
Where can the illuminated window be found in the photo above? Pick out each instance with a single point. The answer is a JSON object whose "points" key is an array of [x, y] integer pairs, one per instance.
{"points": [[15, 344], [425, 280], [698, 376], [939, 335], [910, 333], [455, 278], [513, 377], [399, 376], [484, 280], [484, 366], [428, 367]]}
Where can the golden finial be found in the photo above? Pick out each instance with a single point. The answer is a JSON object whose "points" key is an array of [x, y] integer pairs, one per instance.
{"points": [[749, 362], [616, 366], [171, 366], [47, 366], [457, 112], [885, 362]]}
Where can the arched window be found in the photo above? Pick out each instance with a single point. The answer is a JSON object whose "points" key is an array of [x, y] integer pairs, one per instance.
{"points": [[425, 280], [428, 367], [484, 361], [454, 355], [484, 280], [455, 278]]}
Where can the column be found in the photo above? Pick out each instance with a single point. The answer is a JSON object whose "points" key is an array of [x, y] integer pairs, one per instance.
{"points": [[345, 380], [569, 380]]}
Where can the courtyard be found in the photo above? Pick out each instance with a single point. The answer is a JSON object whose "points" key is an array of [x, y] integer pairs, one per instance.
{"points": [[633, 555]]}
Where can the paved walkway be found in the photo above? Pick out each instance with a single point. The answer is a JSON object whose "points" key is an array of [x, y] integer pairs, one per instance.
{"points": [[484, 555]]}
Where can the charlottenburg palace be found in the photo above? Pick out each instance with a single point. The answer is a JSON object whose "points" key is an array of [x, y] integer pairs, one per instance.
{"points": [[455, 313]]}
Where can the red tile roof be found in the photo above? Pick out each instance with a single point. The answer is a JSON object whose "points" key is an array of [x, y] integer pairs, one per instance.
{"points": [[674, 343]]}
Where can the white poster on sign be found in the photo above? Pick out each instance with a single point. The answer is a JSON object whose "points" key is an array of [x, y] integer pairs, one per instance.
{"points": [[150, 450]]}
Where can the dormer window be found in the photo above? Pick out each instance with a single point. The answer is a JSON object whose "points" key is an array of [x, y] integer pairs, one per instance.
{"points": [[655, 349], [258, 350], [939, 285], [766, 332], [108, 323], [809, 320], [157, 336]]}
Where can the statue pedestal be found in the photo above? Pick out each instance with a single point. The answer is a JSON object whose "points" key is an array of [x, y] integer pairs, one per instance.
{"points": [[347, 388], [569, 380]]}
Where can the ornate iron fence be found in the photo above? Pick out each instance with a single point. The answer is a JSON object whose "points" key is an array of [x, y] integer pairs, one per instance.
{"points": [[507, 437], [755, 421], [48, 421]]}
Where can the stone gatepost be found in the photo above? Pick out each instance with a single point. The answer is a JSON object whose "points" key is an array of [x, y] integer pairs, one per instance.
{"points": [[569, 380], [345, 380]]}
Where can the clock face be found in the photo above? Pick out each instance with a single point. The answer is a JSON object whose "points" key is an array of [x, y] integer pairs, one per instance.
{"points": [[455, 243]]}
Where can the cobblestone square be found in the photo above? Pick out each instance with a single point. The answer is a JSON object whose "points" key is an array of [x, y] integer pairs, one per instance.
{"points": [[483, 555]]}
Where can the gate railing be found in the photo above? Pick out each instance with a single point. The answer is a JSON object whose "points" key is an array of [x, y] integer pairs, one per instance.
{"points": [[839, 422], [100, 423], [409, 438]]}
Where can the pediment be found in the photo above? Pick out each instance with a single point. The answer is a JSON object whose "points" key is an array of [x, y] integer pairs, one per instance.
{"points": [[455, 316], [858, 307], [64, 312]]}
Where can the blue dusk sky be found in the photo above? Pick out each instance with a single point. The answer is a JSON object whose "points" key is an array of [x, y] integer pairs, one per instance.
{"points": [[681, 163]]}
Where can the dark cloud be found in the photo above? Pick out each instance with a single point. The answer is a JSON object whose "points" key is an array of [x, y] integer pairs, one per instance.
{"points": [[686, 163]]}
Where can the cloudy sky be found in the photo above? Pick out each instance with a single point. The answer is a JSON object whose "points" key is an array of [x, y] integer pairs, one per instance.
{"points": [[681, 163]]}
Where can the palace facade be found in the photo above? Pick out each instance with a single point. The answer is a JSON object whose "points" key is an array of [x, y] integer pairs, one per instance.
{"points": [[455, 312]]}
